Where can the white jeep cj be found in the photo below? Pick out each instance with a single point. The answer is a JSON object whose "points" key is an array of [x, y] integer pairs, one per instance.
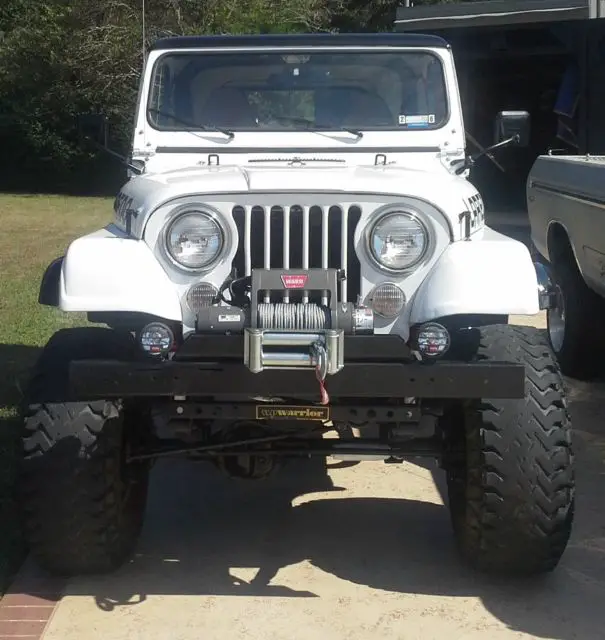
{"points": [[298, 251]]}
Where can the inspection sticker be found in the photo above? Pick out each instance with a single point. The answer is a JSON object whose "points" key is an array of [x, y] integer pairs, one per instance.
{"points": [[417, 121]]}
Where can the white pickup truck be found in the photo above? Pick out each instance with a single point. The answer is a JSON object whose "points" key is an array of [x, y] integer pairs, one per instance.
{"points": [[566, 206]]}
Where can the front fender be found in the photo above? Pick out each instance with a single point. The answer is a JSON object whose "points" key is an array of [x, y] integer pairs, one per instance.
{"points": [[491, 276], [108, 271]]}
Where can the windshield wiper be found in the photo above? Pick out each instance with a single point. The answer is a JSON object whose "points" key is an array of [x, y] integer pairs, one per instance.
{"points": [[314, 126], [186, 123], [354, 132]]}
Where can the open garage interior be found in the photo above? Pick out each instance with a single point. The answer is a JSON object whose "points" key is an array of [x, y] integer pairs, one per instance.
{"points": [[543, 56]]}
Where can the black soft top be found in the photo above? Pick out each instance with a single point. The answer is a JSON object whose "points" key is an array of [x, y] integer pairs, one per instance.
{"points": [[302, 40]]}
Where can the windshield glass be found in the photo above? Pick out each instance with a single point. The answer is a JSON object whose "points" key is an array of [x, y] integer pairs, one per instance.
{"points": [[247, 91]]}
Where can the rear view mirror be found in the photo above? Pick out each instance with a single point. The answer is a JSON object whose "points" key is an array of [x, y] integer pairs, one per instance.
{"points": [[93, 126], [513, 126]]}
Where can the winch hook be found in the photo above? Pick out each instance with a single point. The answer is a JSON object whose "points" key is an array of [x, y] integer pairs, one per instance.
{"points": [[320, 358]]}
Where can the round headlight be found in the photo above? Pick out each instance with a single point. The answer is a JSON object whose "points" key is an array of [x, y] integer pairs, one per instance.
{"points": [[398, 241], [195, 240]]}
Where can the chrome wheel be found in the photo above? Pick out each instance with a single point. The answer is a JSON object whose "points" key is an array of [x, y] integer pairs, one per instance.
{"points": [[556, 320]]}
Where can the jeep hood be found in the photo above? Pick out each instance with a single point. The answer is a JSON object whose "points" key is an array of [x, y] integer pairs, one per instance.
{"points": [[142, 195]]}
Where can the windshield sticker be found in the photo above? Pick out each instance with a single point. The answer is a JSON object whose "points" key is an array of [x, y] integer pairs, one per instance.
{"points": [[417, 121]]}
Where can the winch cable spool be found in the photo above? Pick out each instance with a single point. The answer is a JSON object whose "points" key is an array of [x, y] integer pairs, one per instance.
{"points": [[305, 317], [289, 317]]}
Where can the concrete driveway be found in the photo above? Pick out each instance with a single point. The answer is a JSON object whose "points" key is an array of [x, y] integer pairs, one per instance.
{"points": [[359, 552]]}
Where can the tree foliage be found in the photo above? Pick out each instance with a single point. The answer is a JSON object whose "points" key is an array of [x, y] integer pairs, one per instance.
{"points": [[62, 57]]}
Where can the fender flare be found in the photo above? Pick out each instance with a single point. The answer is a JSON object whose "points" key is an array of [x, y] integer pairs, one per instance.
{"points": [[49, 286], [107, 272], [492, 276]]}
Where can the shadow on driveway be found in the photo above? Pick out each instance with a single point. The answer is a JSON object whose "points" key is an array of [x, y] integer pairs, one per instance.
{"points": [[200, 525]]}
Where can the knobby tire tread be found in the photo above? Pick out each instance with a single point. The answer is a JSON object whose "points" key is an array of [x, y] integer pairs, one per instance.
{"points": [[512, 501], [82, 506]]}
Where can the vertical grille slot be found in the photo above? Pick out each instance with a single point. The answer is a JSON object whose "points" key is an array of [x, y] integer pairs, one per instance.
{"points": [[239, 260], [299, 237], [315, 236], [353, 265], [276, 226]]}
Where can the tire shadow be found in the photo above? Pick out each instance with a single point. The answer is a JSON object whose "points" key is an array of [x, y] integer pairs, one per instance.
{"points": [[565, 599], [15, 363], [207, 535], [200, 526]]}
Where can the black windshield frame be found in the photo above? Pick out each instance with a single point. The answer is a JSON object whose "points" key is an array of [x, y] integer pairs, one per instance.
{"points": [[344, 52]]}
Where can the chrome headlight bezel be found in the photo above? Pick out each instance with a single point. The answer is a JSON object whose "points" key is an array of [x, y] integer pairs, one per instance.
{"points": [[411, 213], [203, 212]]}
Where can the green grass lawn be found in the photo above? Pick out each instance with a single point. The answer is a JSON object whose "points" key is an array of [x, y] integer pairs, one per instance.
{"points": [[35, 230]]}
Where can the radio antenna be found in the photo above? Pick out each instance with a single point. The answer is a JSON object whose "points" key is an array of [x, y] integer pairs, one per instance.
{"points": [[144, 44]]}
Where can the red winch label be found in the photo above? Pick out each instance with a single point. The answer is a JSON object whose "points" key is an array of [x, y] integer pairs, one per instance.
{"points": [[294, 281]]}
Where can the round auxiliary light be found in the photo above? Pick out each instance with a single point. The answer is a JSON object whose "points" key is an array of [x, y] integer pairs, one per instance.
{"points": [[433, 340], [195, 239], [201, 295], [156, 339], [387, 300], [398, 241]]}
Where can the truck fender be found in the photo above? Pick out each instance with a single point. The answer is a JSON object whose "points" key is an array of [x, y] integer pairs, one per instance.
{"points": [[492, 276], [107, 271]]}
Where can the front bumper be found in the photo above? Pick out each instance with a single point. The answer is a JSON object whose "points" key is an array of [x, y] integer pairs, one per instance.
{"points": [[374, 367]]}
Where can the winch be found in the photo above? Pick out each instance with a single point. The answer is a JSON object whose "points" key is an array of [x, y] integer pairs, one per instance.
{"points": [[295, 333]]}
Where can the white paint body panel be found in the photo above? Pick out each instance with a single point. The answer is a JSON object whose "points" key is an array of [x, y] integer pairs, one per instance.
{"points": [[448, 193], [493, 275], [105, 271]]}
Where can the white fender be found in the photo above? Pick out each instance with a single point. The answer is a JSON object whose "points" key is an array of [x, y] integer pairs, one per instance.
{"points": [[494, 275], [106, 271]]}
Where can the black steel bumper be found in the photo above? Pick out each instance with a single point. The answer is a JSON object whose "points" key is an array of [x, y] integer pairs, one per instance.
{"points": [[375, 367]]}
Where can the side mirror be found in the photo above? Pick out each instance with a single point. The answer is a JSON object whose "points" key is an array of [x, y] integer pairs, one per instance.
{"points": [[513, 126], [93, 126]]}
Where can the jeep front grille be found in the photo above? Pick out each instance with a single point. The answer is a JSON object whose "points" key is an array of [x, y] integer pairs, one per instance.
{"points": [[299, 237]]}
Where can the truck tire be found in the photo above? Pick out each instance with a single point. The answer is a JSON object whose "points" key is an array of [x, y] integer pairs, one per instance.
{"points": [[511, 487], [82, 505], [575, 323]]}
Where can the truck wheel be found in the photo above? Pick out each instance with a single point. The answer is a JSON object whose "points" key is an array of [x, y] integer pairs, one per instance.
{"points": [[511, 483], [82, 505], [574, 324]]}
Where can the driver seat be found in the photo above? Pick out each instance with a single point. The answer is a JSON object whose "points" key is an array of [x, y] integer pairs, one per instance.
{"points": [[228, 107]]}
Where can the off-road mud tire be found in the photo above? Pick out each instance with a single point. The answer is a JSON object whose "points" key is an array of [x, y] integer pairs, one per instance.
{"points": [[512, 492], [82, 505]]}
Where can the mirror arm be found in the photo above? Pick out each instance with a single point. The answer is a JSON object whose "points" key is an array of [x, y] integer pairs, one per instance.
{"points": [[471, 159], [115, 154], [504, 143]]}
